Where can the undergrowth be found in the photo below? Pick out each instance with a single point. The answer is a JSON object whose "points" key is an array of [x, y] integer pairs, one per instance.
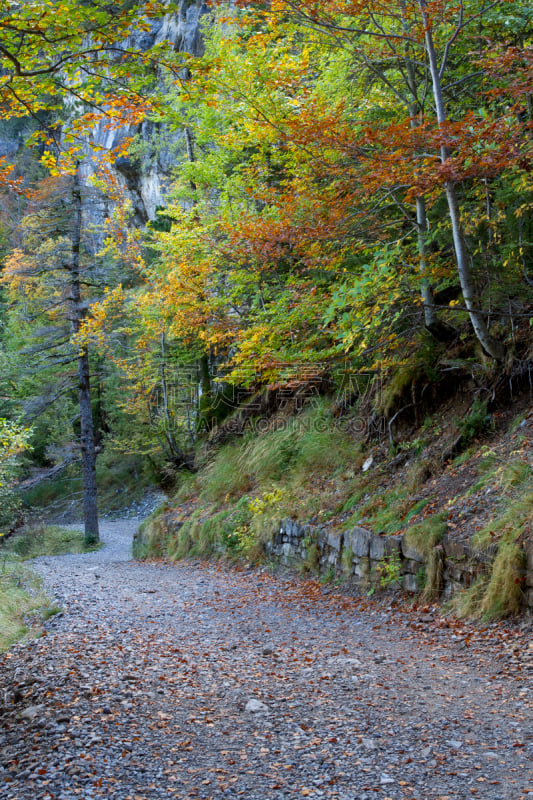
{"points": [[122, 479], [503, 592], [37, 539], [310, 469], [23, 604], [22, 601]]}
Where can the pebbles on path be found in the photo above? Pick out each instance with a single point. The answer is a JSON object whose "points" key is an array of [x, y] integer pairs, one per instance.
{"points": [[193, 681]]}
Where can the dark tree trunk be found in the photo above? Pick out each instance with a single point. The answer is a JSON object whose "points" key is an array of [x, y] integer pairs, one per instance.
{"points": [[88, 455]]}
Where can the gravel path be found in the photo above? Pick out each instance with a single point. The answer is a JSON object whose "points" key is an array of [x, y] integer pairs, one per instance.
{"points": [[197, 681]]}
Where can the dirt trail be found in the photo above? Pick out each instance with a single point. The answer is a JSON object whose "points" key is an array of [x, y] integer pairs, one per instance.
{"points": [[196, 681]]}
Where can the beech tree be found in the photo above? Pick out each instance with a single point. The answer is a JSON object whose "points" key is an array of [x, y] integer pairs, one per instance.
{"points": [[326, 194], [61, 48], [448, 138]]}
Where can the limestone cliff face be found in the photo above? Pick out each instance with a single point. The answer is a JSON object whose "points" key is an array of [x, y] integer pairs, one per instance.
{"points": [[145, 176]]}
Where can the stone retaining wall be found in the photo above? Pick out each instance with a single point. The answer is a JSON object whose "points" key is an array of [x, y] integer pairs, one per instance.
{"points": [[360, 555]]}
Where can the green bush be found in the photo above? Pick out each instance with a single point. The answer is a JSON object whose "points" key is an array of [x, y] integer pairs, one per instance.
{"points": [[14, 440]]}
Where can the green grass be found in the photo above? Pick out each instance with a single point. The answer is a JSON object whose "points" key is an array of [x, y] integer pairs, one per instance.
{"points": [[463, 457], [46, 540], [23, 604], [387, 511], [58, 493], [467, 603], [516, 474], [298, 447], [154, 536], [424, 536], [226, 476], [477, 421], [503, 592], [498, 593], [515, 520], [122, 479]]}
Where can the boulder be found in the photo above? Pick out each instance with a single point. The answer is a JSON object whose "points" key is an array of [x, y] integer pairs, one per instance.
{"points": [[393, 546], [457, 551], [361, 568], [410, 553]]}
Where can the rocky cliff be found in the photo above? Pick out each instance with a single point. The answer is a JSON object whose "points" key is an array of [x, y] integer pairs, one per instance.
{"points": [[145, 176]]}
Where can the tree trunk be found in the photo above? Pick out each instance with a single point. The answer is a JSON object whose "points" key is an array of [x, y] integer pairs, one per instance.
{"points": [[490, 345], [88, 455], [439, 330]]}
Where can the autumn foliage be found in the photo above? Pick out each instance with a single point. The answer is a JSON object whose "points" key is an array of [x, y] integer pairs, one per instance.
{"points": [[352, 178]]}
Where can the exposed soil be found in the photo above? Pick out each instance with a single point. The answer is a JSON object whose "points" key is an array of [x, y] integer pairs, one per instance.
{"points": [[194, 680]]}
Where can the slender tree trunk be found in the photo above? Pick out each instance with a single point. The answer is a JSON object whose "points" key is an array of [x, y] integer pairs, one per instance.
{"points": [[440, 330], [205, 411], [490, 345], [430, 316], [189, 144], [88, 455]]}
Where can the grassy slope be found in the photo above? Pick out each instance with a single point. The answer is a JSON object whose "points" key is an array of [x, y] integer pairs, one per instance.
{"points": [[23, 604], [311, 468]]}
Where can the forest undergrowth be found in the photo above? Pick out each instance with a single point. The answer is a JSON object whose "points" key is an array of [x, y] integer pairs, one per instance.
{"points": [[461, 469]]}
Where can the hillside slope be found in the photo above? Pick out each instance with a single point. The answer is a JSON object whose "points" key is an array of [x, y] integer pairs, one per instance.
{"points": [[443, 507]]}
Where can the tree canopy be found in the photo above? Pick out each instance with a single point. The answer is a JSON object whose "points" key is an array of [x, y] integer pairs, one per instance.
{"points": [[351, 184]]}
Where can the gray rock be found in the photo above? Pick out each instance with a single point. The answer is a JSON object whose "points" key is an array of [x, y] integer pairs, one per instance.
{"points": [[393, 545], [455, 743], [369, 744], [410, 583], [359, 541], [334, 541], [377, 548], [255, 706], [368, 463], [31, 712], [410, 554], [362, 568]]}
